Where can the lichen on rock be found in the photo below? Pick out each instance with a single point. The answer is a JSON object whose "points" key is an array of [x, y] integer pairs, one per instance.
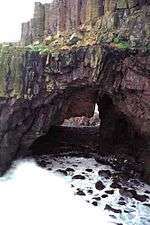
{"points": [[11, 65]]}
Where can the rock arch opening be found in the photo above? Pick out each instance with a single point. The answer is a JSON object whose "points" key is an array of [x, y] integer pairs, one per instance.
{"points": [[84, 121], [88, 123], [76, 129]]}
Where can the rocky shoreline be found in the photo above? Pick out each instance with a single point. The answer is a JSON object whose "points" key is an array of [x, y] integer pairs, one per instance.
{"points": [[121, 196]]}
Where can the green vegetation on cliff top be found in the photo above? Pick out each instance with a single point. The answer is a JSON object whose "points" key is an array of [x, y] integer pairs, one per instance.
{"points": [[134, 35]]}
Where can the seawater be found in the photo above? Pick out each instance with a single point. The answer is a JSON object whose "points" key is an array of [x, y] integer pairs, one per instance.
{"points": [[30, 195], [132, 211]]}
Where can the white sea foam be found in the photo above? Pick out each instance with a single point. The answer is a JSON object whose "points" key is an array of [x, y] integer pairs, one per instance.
{"points": [[30, 195]]}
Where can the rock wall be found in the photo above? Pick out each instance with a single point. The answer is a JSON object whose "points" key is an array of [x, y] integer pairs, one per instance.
{"points": [[51, 17], [47, 89], [39, 90], [124, 106], [65, 15]]}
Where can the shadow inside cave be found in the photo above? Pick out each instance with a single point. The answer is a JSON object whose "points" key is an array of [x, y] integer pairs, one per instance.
{"points": [[108, 132], [108, 137], [76, 135]]}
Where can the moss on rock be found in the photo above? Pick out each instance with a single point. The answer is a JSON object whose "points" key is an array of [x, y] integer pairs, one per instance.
{"points": [[11, 61]]}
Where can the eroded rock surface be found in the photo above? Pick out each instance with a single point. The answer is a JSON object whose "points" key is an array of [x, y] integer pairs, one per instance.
{"points": [[57, 87], [40, 88]]}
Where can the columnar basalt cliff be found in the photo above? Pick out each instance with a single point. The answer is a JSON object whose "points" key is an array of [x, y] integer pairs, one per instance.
{"points": [[43, 84], [65, 15]]}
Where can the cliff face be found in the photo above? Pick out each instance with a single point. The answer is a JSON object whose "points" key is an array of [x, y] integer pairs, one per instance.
{"points": [[42, 85], [65, 15], [47, 89]]}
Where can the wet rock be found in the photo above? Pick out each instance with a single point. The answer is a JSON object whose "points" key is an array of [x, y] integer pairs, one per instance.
{"points": [[147, 204], [113, 216], [122, 203], [70, 170], [133, 194], [121, 177], [125, 192], [90, 191], [121, 199], [81, 193], [43, 163], [62, 172], [115, 185], [83, 173], [129, 210], [109, 208], [95, 203], [99, 185], [105, 173], [104, 196], [141, 198], [110, 192], [80, 177], [89, 170], [97, 198], [136, 182], [42, 157]]}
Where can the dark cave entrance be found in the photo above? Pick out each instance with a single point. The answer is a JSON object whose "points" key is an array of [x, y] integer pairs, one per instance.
{"points": [[88, 124], [74, 135], [75, 125], [117, 133]]}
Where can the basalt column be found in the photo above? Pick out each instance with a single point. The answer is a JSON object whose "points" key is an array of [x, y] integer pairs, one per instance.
{"points": [[38, 22], [62, 15]]}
